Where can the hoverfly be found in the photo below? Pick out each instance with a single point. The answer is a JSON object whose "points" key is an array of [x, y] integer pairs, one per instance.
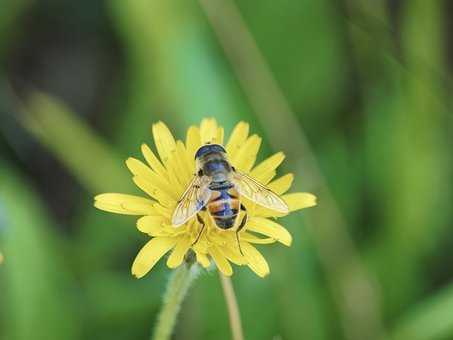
{"points": [[217, 188]]}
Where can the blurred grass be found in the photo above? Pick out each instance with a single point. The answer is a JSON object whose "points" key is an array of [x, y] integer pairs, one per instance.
{"points": [[371, 97], [98, 170], [83, 153], [181, 85], [9, 15], [430, 319], [412, 155], [38, 286], [87, 157]]}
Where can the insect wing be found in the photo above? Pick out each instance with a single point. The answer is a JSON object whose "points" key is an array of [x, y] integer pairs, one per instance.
{"points": [[258, 193], [192, 201]]}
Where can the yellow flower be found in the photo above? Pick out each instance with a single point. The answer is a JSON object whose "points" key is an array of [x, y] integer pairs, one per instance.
{"points": [[165, 179]]}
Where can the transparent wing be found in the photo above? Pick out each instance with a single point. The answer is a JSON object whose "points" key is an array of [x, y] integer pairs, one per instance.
{"points": [[192, 201], [258, 193]]}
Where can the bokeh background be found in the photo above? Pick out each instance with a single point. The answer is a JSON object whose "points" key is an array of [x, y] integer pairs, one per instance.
{"points": [[356, 93]]}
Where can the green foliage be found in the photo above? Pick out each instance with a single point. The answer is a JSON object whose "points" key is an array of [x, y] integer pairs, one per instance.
{"points": [[429, 319], [82, 152], [38, 294], [368, 85]]}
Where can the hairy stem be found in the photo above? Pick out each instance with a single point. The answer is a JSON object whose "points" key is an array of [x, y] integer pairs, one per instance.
{"points": [[177, 288]]}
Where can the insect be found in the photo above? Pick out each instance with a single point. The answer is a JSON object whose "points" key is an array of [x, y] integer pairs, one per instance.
{"points": [[217, 187]]}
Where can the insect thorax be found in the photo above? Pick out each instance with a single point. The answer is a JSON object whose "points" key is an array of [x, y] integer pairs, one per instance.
{"points": [[214, 164]]}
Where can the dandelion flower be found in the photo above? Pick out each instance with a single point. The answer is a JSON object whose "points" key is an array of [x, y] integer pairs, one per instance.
{"points": [[164, 178]]}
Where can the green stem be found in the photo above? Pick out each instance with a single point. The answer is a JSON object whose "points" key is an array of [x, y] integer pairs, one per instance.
{"points": [[177, 288], [233, 308]]}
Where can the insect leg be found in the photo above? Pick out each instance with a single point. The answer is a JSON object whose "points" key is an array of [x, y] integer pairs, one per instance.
{"points": [[203, 225], [244, 219], [239, 228]]}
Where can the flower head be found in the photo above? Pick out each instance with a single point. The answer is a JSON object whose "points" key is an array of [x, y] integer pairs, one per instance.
{"points": [[164, 178]]}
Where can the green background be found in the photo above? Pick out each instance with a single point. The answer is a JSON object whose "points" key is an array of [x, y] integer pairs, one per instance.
{"points": [[356, 93]]}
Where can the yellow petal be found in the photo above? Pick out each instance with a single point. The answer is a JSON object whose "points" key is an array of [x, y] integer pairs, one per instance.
{"points": [[124, 204], [220, 260], [165, 143], [237, 139], [268, 177], [246, 156], [232, 253], [269, 228], [228, 245], [264, 212], [193, 142], [202, 259], [281, 184], [299, 200], [256, 261], [255, 239], [220, 134], [187, 169], [167, 212], [178, 253], [202, 245], [139, 169], [153, 161], [176, 174], [208, 131], [262, 171], [152, 225], [153, 191], [148, 256]]}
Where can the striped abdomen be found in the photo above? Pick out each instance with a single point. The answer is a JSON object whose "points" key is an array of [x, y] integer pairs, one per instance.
{"points": [[224, 207]]}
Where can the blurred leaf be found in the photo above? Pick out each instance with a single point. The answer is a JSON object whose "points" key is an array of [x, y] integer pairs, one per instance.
{"points": [[301, 294], [39, 298], [429, 320], [122, 305], [99, 246], [83, 153], [94, 165], [302, 41], [415, 162], [10, 12], [188, 78]]}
